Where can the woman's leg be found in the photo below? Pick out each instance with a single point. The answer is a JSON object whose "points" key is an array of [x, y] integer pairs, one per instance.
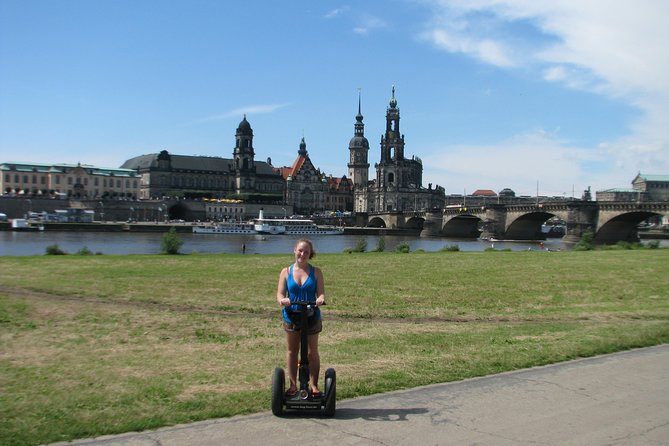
{"points": [[314, 361], [293, 342]]}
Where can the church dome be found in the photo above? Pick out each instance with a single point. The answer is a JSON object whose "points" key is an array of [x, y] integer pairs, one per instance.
{"points": [[358, 142], [244, 127]]}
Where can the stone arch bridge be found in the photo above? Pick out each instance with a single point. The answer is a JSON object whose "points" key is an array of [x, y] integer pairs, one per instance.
{"points": [[610, 222]]}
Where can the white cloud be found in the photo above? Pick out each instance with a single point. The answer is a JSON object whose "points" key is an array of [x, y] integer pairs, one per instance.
{"points": [[518, 163], [612, 48], [487, 50], [367, 23], [336, 12], [246, 110]]}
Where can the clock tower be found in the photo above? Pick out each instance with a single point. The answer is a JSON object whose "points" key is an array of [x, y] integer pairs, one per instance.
{"points": [[358, 165]]}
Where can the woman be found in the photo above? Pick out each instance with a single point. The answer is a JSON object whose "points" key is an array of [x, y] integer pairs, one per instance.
{"points": [[301, 281]]}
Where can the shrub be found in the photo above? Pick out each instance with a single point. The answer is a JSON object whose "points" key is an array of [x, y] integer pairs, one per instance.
{"points": [[381, 245], [54, 250], [85, 252], [587, 242], [361, 245], [653, 244], [403, 248], [171, 243], [450, 248]]}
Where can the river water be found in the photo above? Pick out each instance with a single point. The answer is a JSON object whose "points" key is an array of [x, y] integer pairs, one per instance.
{"points": [[35, 243]]}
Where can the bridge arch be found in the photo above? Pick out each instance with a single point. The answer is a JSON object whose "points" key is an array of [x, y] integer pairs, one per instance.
{"points": [[462, 226], [527, 226], [377, 222], [414, 223], [622, 227]]}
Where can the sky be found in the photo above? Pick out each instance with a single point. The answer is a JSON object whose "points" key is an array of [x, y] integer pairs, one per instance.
{"points": [[547, 97]]}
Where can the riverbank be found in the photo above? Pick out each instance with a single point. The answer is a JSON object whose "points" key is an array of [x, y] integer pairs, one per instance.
{"points": [[184, 227]]}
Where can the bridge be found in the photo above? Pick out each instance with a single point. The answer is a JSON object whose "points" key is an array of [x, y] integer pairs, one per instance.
{"points": [[609, 221]]}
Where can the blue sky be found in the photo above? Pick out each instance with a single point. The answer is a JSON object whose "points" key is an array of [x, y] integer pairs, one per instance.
{"points": [[559, 94]]}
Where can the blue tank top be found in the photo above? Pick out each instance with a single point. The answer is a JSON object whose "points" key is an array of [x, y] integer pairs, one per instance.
{"points": [[304, 293]]}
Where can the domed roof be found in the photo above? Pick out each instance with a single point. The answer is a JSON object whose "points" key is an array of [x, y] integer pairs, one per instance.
{"points": [[358, 142], [506, 192], [244, 127]]}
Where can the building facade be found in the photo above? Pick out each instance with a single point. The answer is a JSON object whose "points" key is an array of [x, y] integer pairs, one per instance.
{"points": [[306, 187], [68, 181], [656, 187], [644, 188], [184, 176], [397, 186]]}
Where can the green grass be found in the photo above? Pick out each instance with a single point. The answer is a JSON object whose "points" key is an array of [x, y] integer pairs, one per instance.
{"points": [[93, 345]]}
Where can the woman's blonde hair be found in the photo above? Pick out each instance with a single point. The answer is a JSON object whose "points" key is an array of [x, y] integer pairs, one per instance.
{"points": [[312, 253]]}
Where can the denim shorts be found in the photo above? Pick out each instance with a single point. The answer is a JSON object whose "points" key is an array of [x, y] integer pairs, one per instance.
{"points": [[314, 326]]}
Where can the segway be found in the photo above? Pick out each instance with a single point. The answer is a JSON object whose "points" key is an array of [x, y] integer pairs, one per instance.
{"points": [[303, 400]]}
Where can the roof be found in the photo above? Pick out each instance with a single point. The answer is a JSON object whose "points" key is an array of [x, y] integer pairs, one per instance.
{"points": [[65, 167], [194, 163], [295, 168], [484, 193], [648, 178], [620, 190]]}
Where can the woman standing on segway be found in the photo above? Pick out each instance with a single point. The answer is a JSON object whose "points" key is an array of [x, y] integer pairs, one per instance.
{"points": [[301, 282]]}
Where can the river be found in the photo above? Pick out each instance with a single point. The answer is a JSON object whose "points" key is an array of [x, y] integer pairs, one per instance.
{"points": [[35, 243]]}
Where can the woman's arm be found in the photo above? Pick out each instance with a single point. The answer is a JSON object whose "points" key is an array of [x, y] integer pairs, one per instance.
{"points": [[320, 287], [281, 291]]}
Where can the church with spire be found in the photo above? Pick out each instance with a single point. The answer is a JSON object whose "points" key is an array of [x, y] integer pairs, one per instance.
{"points": [[397, 186]]}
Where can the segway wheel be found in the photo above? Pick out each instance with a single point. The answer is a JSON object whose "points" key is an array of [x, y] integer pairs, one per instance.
{"points": [[330, 392], [278, 389]]}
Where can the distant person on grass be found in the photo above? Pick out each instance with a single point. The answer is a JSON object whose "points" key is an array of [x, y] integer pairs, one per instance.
{"points": [[301, 282]]}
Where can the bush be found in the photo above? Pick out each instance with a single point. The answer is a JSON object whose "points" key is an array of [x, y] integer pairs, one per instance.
{"points": [[361, 245], [381, 245], [171, 243], [85, 252], [450, 248], [653, 244], [587, 242], [403, 248], [54, 250]]}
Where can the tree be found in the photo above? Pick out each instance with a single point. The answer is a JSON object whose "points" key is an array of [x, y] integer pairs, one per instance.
{"points": [[587, 242], [171, 243]]}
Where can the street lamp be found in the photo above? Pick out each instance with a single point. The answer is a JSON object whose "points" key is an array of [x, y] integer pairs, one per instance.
{"points": [[102, 211]]}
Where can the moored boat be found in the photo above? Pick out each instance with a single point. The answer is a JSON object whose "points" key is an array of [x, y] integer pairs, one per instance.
{"points": [[21, 224], [225, 228], [292, 226]]}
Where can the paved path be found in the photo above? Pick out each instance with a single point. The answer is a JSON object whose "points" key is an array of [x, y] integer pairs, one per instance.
{"points": [[618, 399]]}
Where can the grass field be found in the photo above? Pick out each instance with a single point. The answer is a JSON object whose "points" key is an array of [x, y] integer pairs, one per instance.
{"points": [[93, 345]]}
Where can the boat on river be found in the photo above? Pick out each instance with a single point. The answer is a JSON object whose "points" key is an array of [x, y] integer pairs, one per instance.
{"points": [[292, 226], [22, 224], [225, 228], [553, 231]]}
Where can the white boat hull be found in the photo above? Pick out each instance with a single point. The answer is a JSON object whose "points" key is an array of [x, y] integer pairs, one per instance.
{"points": [[225, 229]]}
